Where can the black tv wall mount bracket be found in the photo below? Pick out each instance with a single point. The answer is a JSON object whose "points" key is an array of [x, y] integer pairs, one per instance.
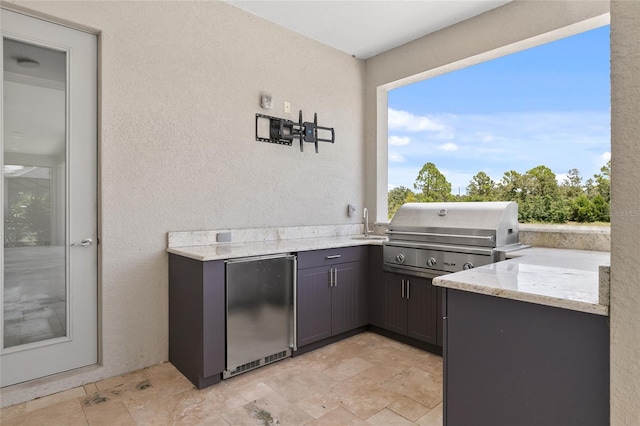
{"points": [[283, 131]]}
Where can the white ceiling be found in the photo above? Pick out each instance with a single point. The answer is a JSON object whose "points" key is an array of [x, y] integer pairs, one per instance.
{"points": [[365, 28]]}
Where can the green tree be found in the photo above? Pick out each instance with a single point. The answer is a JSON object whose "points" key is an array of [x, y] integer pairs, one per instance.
{"points": [[481, 188], [572, 185], [397, 197], [601, 183], [511, 186], [432, 184], [541, 181]]}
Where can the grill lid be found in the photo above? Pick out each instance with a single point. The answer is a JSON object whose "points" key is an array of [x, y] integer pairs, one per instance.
{"points": [[488, 224]]}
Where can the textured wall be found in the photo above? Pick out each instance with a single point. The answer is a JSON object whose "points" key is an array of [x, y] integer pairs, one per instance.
{"points": [[625, 212], [180, 86], [507, 29]]}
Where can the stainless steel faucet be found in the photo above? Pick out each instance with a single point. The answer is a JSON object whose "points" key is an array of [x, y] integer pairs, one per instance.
{"points": [[366, 222]]}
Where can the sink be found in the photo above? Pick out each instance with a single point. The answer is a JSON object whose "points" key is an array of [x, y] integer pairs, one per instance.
{"points": [[370, 237]]}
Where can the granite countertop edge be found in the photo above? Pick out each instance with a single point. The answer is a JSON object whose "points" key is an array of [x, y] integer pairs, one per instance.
{"points": [[264, 248], [538, 275]]}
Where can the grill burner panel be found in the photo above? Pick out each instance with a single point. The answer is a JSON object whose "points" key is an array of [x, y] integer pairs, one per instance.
{"points": [[430, 239], [438, 260]]}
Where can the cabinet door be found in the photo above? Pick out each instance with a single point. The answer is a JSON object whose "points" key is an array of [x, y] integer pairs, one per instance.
{"points": [[346, 300], [422, 310], [395, 304], [314, 305]]}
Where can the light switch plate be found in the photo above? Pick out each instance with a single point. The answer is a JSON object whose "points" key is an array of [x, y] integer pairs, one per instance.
{"points": [[351, 209]]}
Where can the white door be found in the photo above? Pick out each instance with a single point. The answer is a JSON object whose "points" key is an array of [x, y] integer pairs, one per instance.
{"points": [[49, 201]]}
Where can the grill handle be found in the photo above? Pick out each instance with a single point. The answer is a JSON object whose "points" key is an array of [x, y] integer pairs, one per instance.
{"points": [[433, 234]]}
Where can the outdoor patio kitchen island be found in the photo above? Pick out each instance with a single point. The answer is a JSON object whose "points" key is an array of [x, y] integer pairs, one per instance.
{"points": [[526, 341]]}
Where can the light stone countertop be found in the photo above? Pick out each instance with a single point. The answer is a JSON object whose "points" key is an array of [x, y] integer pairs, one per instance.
{"points": [[564, 278], [261, 248], [569, 279]]}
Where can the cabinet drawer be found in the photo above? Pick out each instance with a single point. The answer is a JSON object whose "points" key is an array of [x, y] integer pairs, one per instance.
{"points": [[310, 259]]}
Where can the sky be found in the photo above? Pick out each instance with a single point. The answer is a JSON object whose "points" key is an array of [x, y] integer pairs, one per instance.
{"points": [[549, 105]]}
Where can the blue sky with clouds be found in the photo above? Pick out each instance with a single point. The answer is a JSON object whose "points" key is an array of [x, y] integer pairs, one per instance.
{"points": [[549, 105]]}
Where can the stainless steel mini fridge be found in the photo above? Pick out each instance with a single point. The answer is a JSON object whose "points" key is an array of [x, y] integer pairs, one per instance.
{"points": [[260, 311]]}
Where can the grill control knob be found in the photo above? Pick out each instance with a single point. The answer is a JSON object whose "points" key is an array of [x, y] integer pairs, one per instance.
{"points": [[400, 258], [431, 262], [467, 265]]}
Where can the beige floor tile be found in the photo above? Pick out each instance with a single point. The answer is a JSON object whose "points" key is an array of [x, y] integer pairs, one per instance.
{"points": [[269, 410], [432, 418], [119, 383], [154, 411], [408, 408], [67, 413], [253, 391], [91, 388], [13, 410], [366, 377], [346, 369], [56, 398], [338, 416], [418, 385], [167, 377], [299, 383], [364, 398], [388, 418], [319, 405], [107, 413], [376, 375], [318, 360], [218, 402]]}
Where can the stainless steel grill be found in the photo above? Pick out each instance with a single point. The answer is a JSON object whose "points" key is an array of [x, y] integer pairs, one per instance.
{"points": [[430, 239]]}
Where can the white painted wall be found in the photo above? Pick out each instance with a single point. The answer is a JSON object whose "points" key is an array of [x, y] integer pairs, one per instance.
{"points": [[180, 87], [625, 212]]}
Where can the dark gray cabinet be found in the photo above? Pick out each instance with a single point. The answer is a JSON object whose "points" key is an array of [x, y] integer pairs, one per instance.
{"points": [[331, 293], [197, 319], [508, 362], [376, 287], [411, 307]]}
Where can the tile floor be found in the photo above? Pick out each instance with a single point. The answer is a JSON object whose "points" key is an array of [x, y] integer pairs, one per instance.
{"points": [[366, 379]]}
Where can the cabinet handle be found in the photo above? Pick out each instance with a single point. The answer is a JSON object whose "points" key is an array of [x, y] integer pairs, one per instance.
{"points": [[335, 277], [408, 287], [333, 256], [402, 289], [330, 277]]}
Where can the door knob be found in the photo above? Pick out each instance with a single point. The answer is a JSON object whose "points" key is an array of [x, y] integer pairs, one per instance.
{"points": [[84, 243]]}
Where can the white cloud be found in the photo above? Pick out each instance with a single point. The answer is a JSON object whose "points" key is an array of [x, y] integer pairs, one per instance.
{"points": [[449, 146], [485, 136], [395, 157], [403, 120], [399, 140], [560, 140]]}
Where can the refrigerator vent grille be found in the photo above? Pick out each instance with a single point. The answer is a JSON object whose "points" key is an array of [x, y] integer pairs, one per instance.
{"points": [[275, 357], [245, 367], [257, 363]]}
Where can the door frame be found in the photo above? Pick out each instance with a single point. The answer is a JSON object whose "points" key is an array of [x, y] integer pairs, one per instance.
{"points": [[95, 182]]}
